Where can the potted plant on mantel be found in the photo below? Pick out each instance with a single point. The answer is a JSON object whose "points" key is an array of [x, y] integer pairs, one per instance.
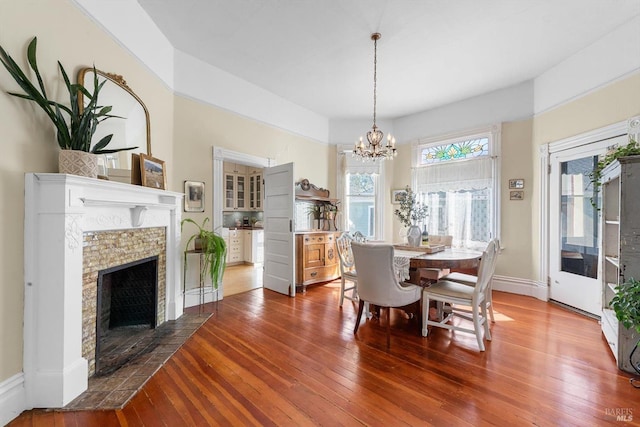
{"points": [[75, 124], [213, 249], [626, 305], [410, 212]]}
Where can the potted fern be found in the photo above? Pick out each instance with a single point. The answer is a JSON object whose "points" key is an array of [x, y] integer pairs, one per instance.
{"points": [[213, 248], [626, 305], [75, 124]]}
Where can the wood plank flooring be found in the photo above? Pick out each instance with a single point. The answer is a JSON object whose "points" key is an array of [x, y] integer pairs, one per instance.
{"points": [[266, 359]]}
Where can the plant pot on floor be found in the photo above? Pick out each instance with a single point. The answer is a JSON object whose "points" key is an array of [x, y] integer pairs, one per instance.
{"points": [[76, 162]]}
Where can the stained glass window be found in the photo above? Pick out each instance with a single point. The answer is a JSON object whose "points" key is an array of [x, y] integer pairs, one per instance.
{"points": [[472, 148]]}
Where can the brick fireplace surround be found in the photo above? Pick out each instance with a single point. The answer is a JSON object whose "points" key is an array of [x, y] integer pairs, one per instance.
{"points": [[74, 227]]}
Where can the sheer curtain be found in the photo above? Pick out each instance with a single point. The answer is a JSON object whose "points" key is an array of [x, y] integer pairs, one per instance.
{"points": [[459, 195]]}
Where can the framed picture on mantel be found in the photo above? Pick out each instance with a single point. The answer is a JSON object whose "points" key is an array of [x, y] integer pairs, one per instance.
{"points": [[152, 172]]}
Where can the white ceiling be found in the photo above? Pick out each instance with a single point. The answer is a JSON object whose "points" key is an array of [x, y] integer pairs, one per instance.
{"points": [[318, 53]]}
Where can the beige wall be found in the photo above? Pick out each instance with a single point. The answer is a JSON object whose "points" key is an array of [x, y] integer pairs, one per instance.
{"points": [[614, 103], [183, 132], [199, 127], [66, 34], [515, 215]]}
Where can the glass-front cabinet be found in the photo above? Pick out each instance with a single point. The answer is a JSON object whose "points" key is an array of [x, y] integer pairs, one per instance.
{"points": [[255, 191], [235, 189]]}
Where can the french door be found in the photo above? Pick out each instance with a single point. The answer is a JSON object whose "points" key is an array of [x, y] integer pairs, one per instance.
{"points": [[574, 243]]}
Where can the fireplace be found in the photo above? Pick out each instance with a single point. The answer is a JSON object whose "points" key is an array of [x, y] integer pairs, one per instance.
{"points": [[75, 228], [126, 311]]}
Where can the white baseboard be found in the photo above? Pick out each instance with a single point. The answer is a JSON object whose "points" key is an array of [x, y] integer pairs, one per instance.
{"points": [[13, 398], [520, 286]]}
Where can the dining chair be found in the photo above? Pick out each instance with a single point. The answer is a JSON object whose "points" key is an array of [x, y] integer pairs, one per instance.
{"points": [[347, 268], [378, 283], [458, 296], [471, 280]]}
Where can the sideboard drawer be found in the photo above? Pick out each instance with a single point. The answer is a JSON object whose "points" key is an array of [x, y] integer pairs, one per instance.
{"points": [[319, 273]]}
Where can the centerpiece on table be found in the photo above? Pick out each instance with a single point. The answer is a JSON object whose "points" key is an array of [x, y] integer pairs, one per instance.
{"points": [[75, 124], [410, 213]]}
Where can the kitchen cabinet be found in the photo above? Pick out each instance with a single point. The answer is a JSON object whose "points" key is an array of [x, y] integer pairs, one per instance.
{"points": [[255, 191], [235, 186], [619, 254], [316, 258], [235, 247]]}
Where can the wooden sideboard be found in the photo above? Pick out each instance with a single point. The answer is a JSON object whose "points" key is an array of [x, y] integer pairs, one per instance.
{"points": [[316, 258]]}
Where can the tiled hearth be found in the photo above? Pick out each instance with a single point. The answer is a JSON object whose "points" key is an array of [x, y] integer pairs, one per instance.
{"points": [[113, 391], [64, 216]]}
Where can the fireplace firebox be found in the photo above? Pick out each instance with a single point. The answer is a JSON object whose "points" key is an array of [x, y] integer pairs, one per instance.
{"points": [[126, 313]]}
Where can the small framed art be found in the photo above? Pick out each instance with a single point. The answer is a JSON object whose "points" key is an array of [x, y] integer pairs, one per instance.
{"points": [[193, 196], [152, 172], [516, 195], [516, 184], [397, 196]]}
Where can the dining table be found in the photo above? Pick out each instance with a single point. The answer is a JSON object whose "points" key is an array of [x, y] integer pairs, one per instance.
{"points": [[408, 261]]}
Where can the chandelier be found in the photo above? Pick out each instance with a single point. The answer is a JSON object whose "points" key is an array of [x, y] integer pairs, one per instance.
{"points": [[374, 149]]}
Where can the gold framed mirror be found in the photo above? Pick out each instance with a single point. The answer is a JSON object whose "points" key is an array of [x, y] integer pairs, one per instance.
{"points": [[133, 130]]}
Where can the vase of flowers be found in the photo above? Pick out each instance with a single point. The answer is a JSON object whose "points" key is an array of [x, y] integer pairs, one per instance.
{"points": [[410, 213]]}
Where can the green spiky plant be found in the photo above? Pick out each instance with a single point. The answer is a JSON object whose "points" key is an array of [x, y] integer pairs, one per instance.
{"points": [[75, 124], [214, 249]]}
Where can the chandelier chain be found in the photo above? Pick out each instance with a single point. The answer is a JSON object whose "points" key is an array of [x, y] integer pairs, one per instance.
{"points": [[375, 150], [375, 77]]}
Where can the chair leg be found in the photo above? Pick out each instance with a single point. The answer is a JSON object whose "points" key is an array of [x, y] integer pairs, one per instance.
{"points": [[489, 298], [388, 327], [477, 326], [425, 316], [341, 290], [487, 331], [360, 309]]}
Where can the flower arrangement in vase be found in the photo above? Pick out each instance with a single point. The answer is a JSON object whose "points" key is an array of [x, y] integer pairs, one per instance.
{"points": [[410, 213]]}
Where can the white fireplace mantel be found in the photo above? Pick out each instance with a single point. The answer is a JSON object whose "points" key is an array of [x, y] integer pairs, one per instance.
{"points": [[58, 210]]}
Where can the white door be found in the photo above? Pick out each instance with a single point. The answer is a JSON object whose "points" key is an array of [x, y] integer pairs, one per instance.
{"points": [[574, 240], [279, 205]]}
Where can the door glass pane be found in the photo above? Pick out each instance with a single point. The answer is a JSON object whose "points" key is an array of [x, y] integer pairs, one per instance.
{"points": [[578, 218]]}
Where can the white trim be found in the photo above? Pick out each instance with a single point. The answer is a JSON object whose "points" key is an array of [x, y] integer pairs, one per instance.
{"points": [[13, 399], [606, 132], [219, 156], [543, 202], [519, 286]]}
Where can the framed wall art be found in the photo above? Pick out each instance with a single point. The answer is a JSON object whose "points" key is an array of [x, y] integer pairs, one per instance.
{"points": [[516, 195], [397, 196], [516, 184], [193, 196], [152, 172]]}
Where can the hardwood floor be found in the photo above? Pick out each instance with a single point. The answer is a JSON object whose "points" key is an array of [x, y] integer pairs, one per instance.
{"points": [[241, 278], [266, 359]]}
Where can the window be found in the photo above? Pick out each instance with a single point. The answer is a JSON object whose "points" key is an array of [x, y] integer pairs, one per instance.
{"points": [[458, 179], [359, 187], [360, 202]]}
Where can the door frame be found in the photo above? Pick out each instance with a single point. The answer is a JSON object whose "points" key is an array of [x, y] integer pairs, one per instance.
{"points": [[221, 155], [607, 132]]}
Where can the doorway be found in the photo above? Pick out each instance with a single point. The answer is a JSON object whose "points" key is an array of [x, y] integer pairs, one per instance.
{"points": [[221, 155], [574, 242]]}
